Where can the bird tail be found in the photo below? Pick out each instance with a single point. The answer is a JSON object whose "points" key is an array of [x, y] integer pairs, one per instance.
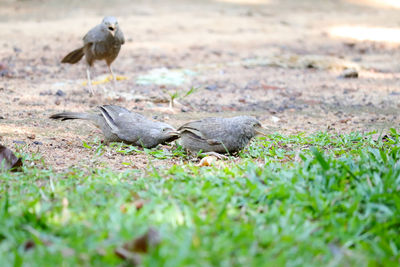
{"points": [[74, 56], [72, 116]]}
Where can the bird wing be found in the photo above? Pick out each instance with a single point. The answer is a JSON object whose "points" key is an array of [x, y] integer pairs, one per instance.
{"points": [[121, 117], [109, 119], [208, 130], [120, 36], [124, 123], [116, 110], [95, 35]]}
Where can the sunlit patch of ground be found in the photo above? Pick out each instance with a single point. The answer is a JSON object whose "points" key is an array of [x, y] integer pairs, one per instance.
{"points": [[246, 2], [365, 33], [378, 3]]}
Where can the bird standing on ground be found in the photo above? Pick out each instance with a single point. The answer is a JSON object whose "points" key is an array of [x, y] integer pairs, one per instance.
{"points": [[121, 125], [103, 42], [220, 135]]}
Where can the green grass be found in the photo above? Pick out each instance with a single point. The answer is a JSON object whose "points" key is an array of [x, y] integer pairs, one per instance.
{"points": [[318, 200]]}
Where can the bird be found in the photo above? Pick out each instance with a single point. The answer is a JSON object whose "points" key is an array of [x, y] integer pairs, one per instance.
{"points": [[219, 135], [102, 42], [121, 125]]}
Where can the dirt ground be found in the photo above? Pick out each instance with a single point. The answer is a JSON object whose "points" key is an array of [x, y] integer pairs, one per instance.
{"points": [[281, 61]]}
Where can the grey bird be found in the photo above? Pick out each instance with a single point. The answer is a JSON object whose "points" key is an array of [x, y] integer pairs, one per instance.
{"points": [[121, 125], [220, 135], [103, 42]]}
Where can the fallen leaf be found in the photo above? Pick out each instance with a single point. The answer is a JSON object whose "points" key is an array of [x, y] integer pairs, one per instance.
{"points": [[30, 244], [129, 251], [5, 71], [123, 208], [142, 244], [139, 204], [8, 161], [132, 259], [380, 137], [349, 73], [270, 87], [345, 120], [105, 79], [275, 119], [207, 161]]}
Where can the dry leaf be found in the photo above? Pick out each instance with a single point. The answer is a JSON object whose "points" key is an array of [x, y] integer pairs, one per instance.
{"points": [[345, 120], [270, 87], [5, 71], [139, 204], [381, 137], [275, 119], [349, 73], [207, 161], [129, 251], [30, 244], [141, 244], [131, 258], [385, 138], [8, 160], [123, 208]]}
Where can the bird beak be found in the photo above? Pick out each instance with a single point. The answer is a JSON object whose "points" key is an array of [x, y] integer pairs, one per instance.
{"points": [[111, 29], [259, 131], [174, 133]]}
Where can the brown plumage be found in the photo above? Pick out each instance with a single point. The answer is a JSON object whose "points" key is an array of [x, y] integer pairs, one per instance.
{"points": [[74, 56], [121, 125], [103, 42], [220, 135]]}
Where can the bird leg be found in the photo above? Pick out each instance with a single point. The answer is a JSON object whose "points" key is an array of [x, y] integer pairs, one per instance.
{"points": [[89, 80], [112, 74]]}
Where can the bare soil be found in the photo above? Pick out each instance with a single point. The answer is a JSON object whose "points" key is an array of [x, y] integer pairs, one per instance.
{"points": [[281, 61]]}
